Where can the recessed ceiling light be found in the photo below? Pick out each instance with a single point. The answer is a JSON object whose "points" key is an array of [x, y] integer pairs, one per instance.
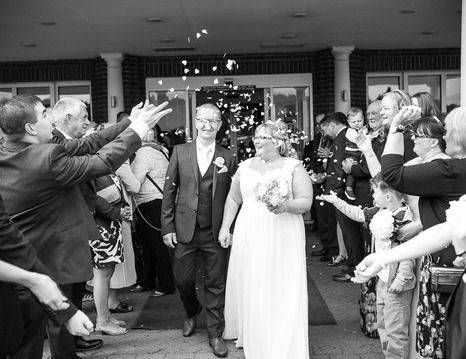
{"points": [[288, 36], [48, 23], [407, 11], [154, 19], [299, 14], [28, 45], [167, 39], [430, 32]]}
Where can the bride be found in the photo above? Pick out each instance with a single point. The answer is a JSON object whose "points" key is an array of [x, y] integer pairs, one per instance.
{"points": [[266, 291]]}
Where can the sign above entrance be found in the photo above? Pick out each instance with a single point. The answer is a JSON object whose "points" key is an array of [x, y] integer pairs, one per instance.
{"points": [[229, 88]]}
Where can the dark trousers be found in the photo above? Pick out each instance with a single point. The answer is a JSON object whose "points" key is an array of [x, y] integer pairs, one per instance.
{"points": [[62, 343], [34, 319], [353, 239], [327, 227], [214, 260], [157, 264]]}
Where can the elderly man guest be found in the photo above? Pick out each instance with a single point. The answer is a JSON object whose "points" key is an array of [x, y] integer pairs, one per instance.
{"points": [[39, 181]]}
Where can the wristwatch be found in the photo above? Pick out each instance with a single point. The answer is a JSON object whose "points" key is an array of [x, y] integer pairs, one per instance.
{"points": [[396, 128]]}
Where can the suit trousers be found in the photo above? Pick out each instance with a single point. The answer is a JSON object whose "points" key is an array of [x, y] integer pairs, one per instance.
{"points": [[214, 260], [327, 227], [157, 263], [34, 319], [353, 238], [62, 343]]}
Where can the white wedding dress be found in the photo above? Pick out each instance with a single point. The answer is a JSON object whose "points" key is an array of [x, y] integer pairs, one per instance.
{"points": [[266, 292]]}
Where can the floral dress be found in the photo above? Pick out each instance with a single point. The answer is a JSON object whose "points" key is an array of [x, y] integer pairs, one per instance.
{"points": [[430, 320]]}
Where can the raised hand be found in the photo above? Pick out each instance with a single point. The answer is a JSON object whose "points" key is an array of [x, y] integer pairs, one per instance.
{"points": [[148, 113], [79, 324], [170, 240], [407, 115], [330, 198], [363, 141], [48, 293]]}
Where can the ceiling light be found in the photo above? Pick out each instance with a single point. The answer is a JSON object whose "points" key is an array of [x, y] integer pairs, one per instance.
{"points": [[154, 19], [429, 32], [28, 45], [167, 39], [48, 23], [168, 49], [407, 12], [299, 14], [288, 36]]}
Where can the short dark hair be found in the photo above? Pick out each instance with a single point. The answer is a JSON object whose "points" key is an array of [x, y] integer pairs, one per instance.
{"points": [[16, 112], [378, 182], [159, 133], [431, 127], [337, 118]]}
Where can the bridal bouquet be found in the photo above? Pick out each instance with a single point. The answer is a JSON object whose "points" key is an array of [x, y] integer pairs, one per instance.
{"points": [[273, 192], [382, 225]]}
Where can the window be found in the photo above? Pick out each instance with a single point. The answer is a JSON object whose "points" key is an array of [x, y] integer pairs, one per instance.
{"points": [[50, 92], [444, 86]]}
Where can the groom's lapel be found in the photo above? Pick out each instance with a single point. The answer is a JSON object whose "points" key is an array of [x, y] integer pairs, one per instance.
{"points": [[193, 160]]}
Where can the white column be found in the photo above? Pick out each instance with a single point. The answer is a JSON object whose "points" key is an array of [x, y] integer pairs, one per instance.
{"points": [[115, 98], [342, 78], [463, 53]]}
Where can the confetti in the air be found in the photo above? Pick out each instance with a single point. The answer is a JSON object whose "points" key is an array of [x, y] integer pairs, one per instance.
{"points": [[186, 71], [198, 35], [196, 71], [230, 64], [183, 78], [204, 31], [214, 68], [160, 82], [172, 90], [216, 81], [184, 62]]}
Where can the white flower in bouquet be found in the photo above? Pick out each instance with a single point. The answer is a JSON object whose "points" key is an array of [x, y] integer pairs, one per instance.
{"points": [[274, 192], [382, 225]]}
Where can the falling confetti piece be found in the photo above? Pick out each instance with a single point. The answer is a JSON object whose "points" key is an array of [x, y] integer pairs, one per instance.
{"points": [[216, 81], [186, 71], [172, 90], [204, 31], [187, 87], [198, 35], [184, 62], [183, 78], [196, 71], [214, 68], [230, 64], [160, 82], [189, 39]]}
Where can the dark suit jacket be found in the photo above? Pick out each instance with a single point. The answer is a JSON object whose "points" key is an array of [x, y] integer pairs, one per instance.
{"points": [[335, 174], [39, 186], [180, 192]]}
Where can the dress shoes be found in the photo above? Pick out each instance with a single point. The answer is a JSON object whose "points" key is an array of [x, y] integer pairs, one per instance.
{"points": [[82, 345], [138, 289], [322, 252], [345, 277], [190, 324], [218, 347]]}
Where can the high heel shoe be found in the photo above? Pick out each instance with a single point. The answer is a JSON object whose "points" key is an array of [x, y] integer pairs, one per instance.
{"points": [[109, 328]]}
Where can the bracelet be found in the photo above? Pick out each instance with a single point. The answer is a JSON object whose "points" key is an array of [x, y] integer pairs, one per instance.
{"points": [[396, 128]]}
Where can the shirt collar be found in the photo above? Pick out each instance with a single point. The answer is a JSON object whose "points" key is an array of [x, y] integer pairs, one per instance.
{"points": [[64, 134], [201, 147], [341, 129]]}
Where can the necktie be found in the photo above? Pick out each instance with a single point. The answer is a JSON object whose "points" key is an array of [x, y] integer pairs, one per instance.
{"points": [[204, 163]]}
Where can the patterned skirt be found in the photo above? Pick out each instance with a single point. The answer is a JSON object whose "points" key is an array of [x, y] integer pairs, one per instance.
{"points": [[108, 250]]}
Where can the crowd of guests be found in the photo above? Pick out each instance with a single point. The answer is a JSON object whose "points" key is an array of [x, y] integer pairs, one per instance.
{"points": [[403, 154]]}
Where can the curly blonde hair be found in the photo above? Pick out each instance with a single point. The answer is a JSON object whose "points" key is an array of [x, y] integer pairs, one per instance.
{"points": [[278, 130]]}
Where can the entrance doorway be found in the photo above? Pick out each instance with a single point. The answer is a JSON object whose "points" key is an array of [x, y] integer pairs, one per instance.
{"points": [[242, 111]]}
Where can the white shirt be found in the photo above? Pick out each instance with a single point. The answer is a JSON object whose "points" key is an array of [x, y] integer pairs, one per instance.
{"points": [[64, 134], [205, 154]]}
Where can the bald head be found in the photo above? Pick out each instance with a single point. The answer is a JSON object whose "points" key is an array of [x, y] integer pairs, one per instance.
{"points": [[209, 110]]}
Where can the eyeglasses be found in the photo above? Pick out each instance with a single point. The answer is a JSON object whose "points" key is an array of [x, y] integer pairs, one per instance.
{"points": [[415, 135], [261, 138], [212, 123]]}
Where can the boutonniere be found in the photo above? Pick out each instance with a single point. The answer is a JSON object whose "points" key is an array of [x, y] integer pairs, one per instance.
{"points": [[219, 162]]}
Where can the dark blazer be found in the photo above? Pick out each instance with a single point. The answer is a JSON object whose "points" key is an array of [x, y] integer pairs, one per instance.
{"points": [[38, 182], [334, 171], [180, 192]]}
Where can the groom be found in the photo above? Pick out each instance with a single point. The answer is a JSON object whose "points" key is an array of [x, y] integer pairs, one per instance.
{"points": [[196, 186]]}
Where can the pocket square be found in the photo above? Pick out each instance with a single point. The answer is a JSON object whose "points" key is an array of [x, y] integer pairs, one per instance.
{"points": [[223, 169]]}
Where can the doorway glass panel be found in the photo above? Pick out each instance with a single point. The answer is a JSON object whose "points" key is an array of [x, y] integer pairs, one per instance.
{"points": [[42, 92], [378, 85], [5, 93], [452, 98], [425, 83]]}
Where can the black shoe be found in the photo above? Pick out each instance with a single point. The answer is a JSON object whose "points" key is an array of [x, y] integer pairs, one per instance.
{"points": [[322, 252], [218, 347], [122, 307], [82, 345], [342, 277], [138, 289], [190, 324], [326, 258]]}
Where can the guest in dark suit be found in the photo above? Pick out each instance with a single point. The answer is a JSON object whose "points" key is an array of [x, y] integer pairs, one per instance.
{"points": [[38, 181], [197, 184], [21, 314]]}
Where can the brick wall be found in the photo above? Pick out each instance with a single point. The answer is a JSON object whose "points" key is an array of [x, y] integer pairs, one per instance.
{"points": [[134, 84], [363, 61], [93, 70]]}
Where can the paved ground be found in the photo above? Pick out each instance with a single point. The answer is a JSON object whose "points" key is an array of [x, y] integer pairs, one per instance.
{"points": [[341, 341]]}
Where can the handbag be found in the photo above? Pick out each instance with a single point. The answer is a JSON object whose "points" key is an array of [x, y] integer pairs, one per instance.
{"points": [[111, 190], [445, 279]]}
